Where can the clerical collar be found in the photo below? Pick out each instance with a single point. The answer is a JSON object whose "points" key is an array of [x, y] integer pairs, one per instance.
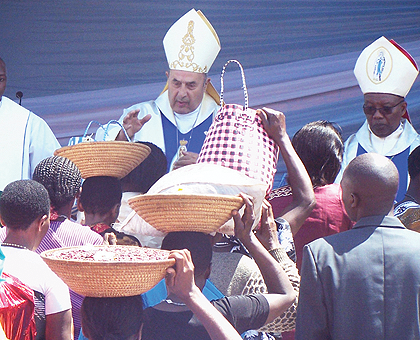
{"points": [[186, 121], [383, 145]]}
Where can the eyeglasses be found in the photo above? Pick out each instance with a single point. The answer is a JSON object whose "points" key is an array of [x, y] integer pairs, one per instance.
{"points": [[385, 110]]}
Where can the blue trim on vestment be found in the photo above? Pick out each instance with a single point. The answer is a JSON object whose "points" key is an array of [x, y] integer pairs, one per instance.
{"points": [[198, 134]]}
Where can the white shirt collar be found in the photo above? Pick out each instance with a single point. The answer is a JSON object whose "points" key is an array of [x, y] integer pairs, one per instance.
{"points": [[383, 145], [186, 121]]}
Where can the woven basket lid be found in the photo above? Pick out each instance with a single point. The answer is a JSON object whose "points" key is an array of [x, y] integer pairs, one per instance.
{"points": [[108, 278], [113, 158], [185, 212]]}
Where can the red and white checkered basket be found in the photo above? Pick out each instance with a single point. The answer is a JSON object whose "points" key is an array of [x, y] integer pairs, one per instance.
{"points": [[237, 140]]}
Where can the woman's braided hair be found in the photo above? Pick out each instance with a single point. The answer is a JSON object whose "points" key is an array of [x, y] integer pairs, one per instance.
{"points": [[61, 177]]}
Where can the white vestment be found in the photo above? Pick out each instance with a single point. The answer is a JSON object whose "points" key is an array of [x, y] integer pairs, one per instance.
{"points": [[392, 145], [25, 140]]}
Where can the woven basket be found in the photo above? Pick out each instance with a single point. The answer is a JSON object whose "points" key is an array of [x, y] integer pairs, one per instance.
{"points": [[114, 158], [185, 212], [108, 278]]}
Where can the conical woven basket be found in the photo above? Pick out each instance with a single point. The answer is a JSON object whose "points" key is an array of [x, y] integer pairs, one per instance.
{"points": [[185, 212], [108, 278], [113, 158]]}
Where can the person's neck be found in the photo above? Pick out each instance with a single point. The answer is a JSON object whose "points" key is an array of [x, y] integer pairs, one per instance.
{"points": [[412, 194], [172, 304], [91, 219], [371, 212], [65, 210], [17, 238]]}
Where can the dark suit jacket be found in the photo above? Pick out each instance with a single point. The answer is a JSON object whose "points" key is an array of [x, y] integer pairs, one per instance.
{"points": [[361, 284]]}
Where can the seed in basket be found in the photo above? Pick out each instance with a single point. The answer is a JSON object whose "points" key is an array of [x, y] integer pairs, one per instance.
{"points": [[110, 253]]}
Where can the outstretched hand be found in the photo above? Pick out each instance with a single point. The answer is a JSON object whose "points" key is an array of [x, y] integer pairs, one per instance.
{"points": [[243, 226], [180, 278], [267, 232], [274, 123], [132, 124]]}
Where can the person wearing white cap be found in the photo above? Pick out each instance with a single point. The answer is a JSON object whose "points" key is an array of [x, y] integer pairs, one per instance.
{"points": [[385, 73], [179, 118]]}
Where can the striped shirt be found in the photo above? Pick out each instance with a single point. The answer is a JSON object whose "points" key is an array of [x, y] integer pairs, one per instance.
{"points": [[67, 234]]}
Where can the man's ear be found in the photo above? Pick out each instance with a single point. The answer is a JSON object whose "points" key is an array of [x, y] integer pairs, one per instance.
{"points": [[116, 209], [80, 206], [403, 108], [355, 200], [207, 272], [167, 74], [43, 220], [206, 82]]}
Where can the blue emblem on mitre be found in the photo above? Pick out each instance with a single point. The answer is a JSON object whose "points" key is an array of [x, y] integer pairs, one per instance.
{"points": [[379, 66]]}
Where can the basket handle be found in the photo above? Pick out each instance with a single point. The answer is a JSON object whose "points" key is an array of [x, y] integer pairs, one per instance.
{"points": [[222, 103], [107, 127]]}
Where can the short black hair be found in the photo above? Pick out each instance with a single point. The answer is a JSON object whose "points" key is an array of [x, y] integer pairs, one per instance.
{"points": [[112, 318], [22, 202], [320, 147], [61, 177], [147, 173], [100, 194], [197, 243], [414, 163]]}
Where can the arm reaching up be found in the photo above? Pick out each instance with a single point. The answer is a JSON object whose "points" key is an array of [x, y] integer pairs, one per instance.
{"points": [[304, 201], [280, 291], [180, 281]]}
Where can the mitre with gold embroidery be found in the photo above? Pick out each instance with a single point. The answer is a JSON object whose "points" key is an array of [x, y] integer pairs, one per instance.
{"points": [[385, 67], [191, 44]]}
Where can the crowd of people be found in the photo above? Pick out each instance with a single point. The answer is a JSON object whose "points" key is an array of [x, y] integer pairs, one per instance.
{"points": [[332, 255]]}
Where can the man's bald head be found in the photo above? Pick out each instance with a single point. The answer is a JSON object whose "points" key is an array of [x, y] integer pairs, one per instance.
{"points": [[370, 184]]}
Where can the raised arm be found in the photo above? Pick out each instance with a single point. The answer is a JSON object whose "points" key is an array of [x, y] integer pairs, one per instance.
{"points": [[281, 294], [132, 124], [267, 235], [304, 201], [180, 281]]}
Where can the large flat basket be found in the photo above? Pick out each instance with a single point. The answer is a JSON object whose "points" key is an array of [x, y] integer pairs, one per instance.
{"points": [[105, 276], [113, 158], [185, 212]]}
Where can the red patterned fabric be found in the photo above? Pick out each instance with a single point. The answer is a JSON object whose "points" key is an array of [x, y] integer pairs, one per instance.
{"points": [[17, 309], [237, 140], [100, 227]]}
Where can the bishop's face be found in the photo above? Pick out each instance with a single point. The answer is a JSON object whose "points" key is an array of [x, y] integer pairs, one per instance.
{"points": [[186, 90], [384, 112]]}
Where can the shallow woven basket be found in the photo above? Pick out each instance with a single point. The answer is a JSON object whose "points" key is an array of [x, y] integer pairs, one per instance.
{"points": [[114, 158], [108, 278], [185, 212]]}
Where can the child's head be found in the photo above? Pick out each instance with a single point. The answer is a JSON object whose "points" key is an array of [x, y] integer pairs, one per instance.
{"points": [[100, 195], [147, 173], [112, 318], [22, 202], [62, 179]]}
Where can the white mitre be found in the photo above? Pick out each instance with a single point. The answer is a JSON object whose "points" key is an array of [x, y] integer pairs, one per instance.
{"points": [[191, 44], [385, 67]]}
